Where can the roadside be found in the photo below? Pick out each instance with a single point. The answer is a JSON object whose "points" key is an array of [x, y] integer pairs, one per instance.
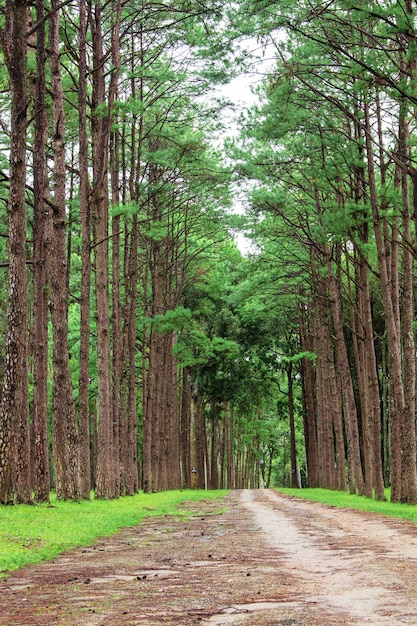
{"points": [[267, 560]]}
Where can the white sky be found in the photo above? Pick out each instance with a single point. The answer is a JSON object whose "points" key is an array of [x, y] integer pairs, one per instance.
{"points": [[240, 92]]}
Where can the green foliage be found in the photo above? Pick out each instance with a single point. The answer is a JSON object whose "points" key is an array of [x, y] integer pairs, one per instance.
{"points": [[177, 319], [296, 358], [34, 534], [195, 348]]}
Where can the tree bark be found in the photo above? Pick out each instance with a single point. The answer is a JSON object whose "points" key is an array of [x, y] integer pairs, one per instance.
{"points": [[349, 404], [85, 218], [368, 386], [194, 466], [293, 447], [389, 291], [309, 403], [132, 479], [40, 452], [408, 426], [202, 444], [100, 126], [185, 428], [14, 405], [117, 330], [65, 429]]}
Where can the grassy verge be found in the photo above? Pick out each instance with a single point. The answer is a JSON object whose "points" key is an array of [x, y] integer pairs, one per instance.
{"points": [[31, 534], [344, 500]]}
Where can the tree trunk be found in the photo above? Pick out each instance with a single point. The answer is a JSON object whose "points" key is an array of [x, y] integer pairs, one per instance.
{"points": [[329, 416], [185, 430], [362, 324], [230, 448], [193, 436], [100, 126], [117, 330], [368, 385], [14, 405], [408, 426], [41, 473], [85, 218], [171, 435], [349, 404], [309, 403], [239, 452], [214, 455], [65, 431], [293, 447], [132, 479], [202, 445], [389, 291]]}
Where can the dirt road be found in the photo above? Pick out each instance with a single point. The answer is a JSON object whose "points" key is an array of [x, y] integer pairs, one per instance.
{"points": [[263, 560]]}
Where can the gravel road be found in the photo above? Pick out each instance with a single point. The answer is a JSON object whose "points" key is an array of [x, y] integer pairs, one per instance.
{"points": [[258, 559]]}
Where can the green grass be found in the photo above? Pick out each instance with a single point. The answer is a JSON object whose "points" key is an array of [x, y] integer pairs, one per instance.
{"points": [[345, 500], [32, 534]]}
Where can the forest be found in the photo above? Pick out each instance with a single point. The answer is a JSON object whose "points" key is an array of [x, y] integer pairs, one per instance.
{"points": [[140, 347]]}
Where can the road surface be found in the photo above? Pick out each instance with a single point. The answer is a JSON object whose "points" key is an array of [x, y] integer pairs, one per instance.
{"points": [[258, 559]]}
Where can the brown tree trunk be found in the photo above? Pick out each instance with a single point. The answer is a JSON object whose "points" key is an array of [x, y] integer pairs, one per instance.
{"points": [[385, 413], [65, 431], [359, 346], [14, 405], [334, 405], [238, 462], [202, 445], [117, 331], [132, 479], [329, 412], [41, 474], [355, 473], [325, 441], [408, 425], [389, 291], [193, 438], [161, 434], [214, 455], [169, 425], [309, 403], [85, 331], [161, 462], [230, 448], [349, 404], [222, 450], [105, 472], [131, 464], [293, 447], [373, 402], [125, 316], [151, 452], [188, 455], [362, 324], [172, 437], [147, 420], [368, 386]]}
